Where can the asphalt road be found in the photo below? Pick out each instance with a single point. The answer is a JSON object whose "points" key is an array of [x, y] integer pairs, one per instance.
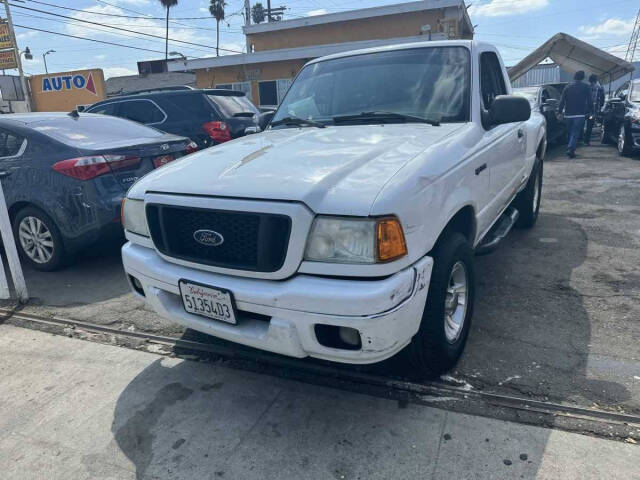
{"points": [[558, 307]]}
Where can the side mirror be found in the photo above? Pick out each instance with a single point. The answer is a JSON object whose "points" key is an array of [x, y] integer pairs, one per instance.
{"points": [[265, 118], [622, 97], [509, 109]]}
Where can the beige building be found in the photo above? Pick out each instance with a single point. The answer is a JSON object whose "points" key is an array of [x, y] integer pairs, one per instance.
{"points": [[280, 49]]}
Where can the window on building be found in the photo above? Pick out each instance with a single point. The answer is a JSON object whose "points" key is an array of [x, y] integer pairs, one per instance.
{"points": [[238, 87], [141, 111], [273, 91]]}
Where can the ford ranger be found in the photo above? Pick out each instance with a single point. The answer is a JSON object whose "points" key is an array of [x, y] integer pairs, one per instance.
{"points": [[346, 230]]}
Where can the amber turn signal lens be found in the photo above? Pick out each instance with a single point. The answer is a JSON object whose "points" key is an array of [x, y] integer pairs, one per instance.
{"points": [[391, 244]]}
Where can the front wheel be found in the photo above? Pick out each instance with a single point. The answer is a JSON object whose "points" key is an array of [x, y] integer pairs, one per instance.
{"points": [[447, 315], [625, 148], [38, 239]]}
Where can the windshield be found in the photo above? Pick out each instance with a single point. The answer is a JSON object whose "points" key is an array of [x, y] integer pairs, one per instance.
{"points": [[233, 104], [635, 92], [428, 82]]}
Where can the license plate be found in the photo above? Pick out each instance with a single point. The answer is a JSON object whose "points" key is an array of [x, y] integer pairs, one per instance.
{"points": [[207, 301]]}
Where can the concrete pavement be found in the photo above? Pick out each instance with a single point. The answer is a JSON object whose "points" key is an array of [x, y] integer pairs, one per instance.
{"points": [[71, 409]]}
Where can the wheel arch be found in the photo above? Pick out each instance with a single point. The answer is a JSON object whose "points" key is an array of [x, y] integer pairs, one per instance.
{"points": [[462, 221]]}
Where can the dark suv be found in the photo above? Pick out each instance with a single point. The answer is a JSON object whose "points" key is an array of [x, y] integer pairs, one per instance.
{"points": [[621, 118], [208, 117]]}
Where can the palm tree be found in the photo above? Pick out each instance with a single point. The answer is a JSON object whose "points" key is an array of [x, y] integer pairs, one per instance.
{"points": [[216, 8], [168, 4]]}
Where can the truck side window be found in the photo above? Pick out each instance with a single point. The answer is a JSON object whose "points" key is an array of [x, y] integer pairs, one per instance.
{"points": [[491, 79]]}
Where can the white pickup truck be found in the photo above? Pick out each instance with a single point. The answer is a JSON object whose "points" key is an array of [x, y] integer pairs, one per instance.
{"points": [[347, 229]]}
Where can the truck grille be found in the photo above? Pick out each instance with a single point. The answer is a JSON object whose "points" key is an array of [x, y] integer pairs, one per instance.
{"points": [[252, 241]]}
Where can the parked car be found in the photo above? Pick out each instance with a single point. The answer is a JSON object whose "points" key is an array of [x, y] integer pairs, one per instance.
{"points": [[64, 176], [208, 117], [621, 118], [347, 230], [545, 99]]}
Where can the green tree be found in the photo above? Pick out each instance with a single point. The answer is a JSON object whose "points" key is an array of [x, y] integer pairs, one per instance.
{"points": [[216, 9], [258, 14], [167, 4]]}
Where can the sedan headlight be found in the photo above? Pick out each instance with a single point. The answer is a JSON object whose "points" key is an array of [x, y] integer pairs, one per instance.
{"points": [[355, 240], [133, 217]]}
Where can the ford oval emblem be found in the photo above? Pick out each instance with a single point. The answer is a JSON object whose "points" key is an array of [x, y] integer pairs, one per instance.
{"points": [[209, 238]]}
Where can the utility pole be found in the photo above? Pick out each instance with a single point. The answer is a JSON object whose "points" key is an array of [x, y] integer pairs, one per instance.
{"points": [[247, 22], [23, 82], [268, 10], [633, 42]]}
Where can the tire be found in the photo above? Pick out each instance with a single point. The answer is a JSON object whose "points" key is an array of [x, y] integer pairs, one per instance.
{"points": [[625, 148], [436, 348], [605, 136], [49, 254], [528, 200]]}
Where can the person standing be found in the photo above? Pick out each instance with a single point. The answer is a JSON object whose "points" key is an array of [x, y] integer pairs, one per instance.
{"points": [[576, 105], [597, 100]]}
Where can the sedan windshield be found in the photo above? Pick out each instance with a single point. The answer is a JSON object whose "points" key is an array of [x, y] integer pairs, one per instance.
{"points": [[430, 83]]}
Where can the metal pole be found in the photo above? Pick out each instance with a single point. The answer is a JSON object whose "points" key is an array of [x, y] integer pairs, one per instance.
{"points": [[44, 57], [23, 81], [247, 22], [268, 10]]}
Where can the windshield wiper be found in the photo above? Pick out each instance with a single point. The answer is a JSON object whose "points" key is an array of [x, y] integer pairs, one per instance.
{"points": [[292, 120], [364, 116]]}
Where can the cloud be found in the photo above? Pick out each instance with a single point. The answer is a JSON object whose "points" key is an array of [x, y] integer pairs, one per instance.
{"points": [[118, 72], [27, 35], [501, 8], [133, 2], [320, 11], [102, 56], [611, 26], [153, 27]]}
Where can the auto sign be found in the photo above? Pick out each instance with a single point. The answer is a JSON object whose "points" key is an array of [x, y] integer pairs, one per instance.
{"points": [[78, 81]]}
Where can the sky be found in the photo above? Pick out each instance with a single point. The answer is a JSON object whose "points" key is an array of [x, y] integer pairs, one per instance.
{"points": [[516, 27]]}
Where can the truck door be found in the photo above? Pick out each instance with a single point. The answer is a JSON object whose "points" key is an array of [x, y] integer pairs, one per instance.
{"points": [[504, 144]]}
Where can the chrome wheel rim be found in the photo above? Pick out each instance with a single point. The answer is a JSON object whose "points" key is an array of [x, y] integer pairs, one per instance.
{"points": [[455, 305], [536, 193], [35, 239], [621, 140]]}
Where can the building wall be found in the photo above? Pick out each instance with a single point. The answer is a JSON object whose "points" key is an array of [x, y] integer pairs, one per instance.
{"points": [[68, 96], [255, 73], [389, 26]]}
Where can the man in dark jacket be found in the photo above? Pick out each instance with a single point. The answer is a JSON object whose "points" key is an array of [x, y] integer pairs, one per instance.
{"points": [[576, 105], [597, 100]]}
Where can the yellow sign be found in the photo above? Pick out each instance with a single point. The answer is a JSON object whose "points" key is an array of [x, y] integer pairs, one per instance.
{"points": [[8, 60], [5, 37]]}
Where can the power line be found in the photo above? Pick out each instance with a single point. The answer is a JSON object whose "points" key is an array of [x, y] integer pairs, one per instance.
{"points": [[119, 28], [87, 39], [143, 17]]}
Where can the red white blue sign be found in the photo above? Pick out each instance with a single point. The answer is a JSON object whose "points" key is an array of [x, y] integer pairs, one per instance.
{"points": [[59, 83]]}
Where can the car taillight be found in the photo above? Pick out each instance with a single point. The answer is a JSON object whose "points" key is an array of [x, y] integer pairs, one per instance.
{"points": [[218, 131], [191, 147], [163, 160], [86, 168]]}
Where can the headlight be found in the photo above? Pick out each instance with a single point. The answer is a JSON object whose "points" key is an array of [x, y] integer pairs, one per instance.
{"points": [[352, 240], [133, 217]]}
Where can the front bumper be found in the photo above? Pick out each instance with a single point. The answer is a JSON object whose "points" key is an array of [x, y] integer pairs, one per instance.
{"points": [[386, 312]]}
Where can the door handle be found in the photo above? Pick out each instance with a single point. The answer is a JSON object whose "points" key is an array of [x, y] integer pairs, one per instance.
{"points": [[481, 168], [520, 133], [4, 173]]}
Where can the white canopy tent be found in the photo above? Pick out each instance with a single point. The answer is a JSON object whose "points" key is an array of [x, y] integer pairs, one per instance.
{"points": [[573, 55]]}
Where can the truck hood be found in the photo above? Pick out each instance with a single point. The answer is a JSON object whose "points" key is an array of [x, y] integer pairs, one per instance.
{"points": [[338, 169]]}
